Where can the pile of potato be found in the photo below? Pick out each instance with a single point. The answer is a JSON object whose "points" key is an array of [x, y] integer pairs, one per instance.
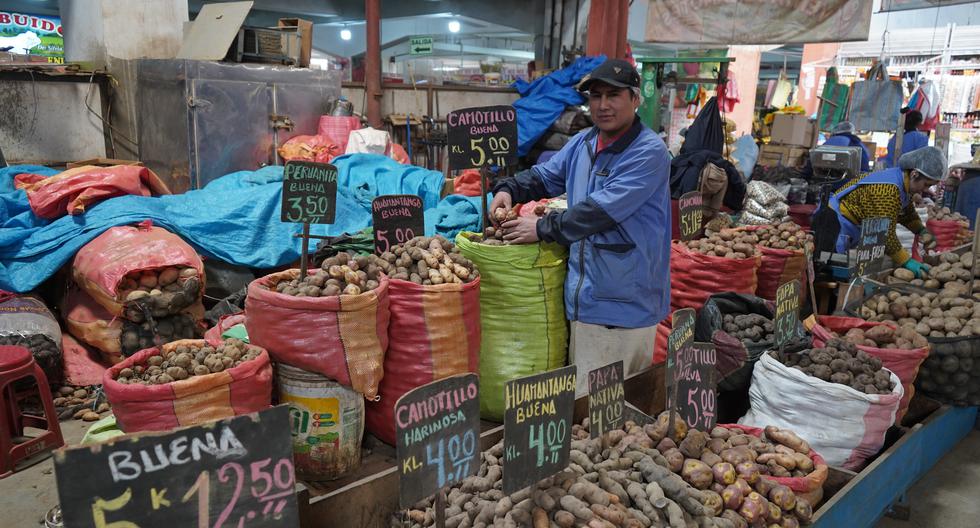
{"points": [[427, 261], [787, 235], [138, 336], [493, 234], [186, 361], [340, 274], [158, 293], [80, 403], [953, 272], [752, 328], [728, 244], [951, 373], [841, 362], [933, 314], [904, 338], [944, 214], [623, 480]]}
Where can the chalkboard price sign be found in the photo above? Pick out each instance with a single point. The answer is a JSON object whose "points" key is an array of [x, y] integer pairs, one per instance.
{"points": [[537, 426], [871, 245], [690, 208], [696, 385], [234, 472], [309, 192], [437, 436], [787, 311], [680, 338], [607, 399], [481, 136], [397, 218]]}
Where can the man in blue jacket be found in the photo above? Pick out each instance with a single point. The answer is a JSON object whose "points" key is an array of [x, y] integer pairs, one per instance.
{"points": [[617, 224]]}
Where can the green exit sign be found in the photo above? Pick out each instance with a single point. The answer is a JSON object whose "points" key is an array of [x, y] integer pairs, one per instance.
{"points": [[420, 46]]}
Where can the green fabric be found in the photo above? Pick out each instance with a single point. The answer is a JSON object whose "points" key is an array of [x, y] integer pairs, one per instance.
{"points": [[102, 430], [236, 332], [522, 314], [835, 93]]}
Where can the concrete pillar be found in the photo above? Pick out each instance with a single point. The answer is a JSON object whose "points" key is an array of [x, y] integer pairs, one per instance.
{"points": [[817, 58], [608, 21], [745, 71], [372, 61]]}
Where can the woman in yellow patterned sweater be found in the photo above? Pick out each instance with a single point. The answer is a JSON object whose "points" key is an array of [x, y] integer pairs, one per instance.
{"points": [[888, 193]]}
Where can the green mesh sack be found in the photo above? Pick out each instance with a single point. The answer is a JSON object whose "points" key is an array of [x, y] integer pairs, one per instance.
{"points": [[522, 314]]}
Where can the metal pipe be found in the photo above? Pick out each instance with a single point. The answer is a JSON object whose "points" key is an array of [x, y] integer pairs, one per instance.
{"points": [[372, 61]]}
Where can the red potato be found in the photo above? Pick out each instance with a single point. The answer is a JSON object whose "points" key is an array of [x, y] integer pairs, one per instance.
{"points": [[724, 473], [733, 496]]}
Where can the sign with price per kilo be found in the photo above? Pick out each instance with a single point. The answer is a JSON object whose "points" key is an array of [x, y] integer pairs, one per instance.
{"points": [[309, 192], [537, 426], [607, 399], [234, 473], [437, 436], [787, 311], [870, 250], [696, 381], [397, 218], [481, 136], [690, 213]]}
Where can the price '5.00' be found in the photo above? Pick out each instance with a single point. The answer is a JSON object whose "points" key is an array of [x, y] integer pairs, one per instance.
{"points": [[499, 148], [401, 236]]}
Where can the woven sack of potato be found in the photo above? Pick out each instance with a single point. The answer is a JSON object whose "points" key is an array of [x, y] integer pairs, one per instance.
{"points": [[694, 276], [132, 270], [231, 384], [882, 343], [341, 336], [949, 234], [842, 424], [214, 334], [522, 314], [26, 321], [783, 258], [434, 333]]}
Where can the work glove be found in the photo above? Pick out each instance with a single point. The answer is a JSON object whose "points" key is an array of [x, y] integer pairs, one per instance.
{"points": [[916, 267], [927, 238]]}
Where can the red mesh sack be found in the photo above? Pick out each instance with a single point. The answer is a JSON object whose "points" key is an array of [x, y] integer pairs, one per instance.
{"points": [[695, 276], [949, 234], [660, 341], [343, 338], [904, 363], [239, 390], [434, 333], [213, 334]]}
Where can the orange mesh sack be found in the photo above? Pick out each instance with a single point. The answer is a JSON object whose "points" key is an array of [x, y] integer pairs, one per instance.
{"points": [[125, 259], [343, 337], [242, 389], [434, 333], [694, 276], [949, 233]]}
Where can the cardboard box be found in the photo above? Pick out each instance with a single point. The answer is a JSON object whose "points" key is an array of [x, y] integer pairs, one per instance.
{"points": [[102, 162], [772, 155], [305, 30], [790, 129]]}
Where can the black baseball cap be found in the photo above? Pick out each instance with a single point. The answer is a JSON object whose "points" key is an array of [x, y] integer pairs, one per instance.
{"points": [[614, 72]]}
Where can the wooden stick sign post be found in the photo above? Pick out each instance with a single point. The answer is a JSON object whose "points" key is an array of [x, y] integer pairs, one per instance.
{"points": [[607, 399], [309, 196], [681, 337], [437, 438], [538, 414], [397, 218], [787, 312], [480, 137], [234, 472], [690, 214]]}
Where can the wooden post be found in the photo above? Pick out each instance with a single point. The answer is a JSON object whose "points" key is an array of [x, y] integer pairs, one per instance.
{"points": [[483, 197], [899, 139], [304, 258], [441, 508]]}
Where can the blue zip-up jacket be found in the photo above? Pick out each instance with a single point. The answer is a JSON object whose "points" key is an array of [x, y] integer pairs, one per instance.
{"points": [[617, 225], [912, 140]]}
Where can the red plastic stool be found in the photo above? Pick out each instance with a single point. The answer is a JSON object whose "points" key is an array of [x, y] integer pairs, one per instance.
{"points": [[17, 363]]}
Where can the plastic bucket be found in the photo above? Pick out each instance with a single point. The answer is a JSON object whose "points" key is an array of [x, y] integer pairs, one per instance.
{"points": [[326, 422]]}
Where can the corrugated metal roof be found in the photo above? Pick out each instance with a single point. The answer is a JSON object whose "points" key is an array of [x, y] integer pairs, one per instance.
{"points": [[920, 41]]}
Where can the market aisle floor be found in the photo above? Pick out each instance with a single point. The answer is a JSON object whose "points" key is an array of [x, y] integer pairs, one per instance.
{"points": [[947, 496]]}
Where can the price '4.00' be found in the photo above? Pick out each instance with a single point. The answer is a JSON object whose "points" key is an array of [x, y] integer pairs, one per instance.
{"points": [[401, 236], [602, 415], [547, 441], [461, 451], [499, 147]]}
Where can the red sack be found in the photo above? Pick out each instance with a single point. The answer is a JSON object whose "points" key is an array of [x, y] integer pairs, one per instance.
{"points": [[196, 400], [213, 335], [434, 333], [949, 234], [468, 183], [660, 341], [73, 190], [309, 148], [343, 338], [338, 129], [778, 266], [398, 154], [904, 363], [81, 366], [102, 264], [809, 487], [695, 276]]}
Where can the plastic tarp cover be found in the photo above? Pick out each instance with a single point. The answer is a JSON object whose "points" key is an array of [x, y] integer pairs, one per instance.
{"points": [[234, 218], [544, 99]]}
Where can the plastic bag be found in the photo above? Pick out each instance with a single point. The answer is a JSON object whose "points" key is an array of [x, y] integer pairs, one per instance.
{"points": [[694, 276], [101, 266], [309, 148], [337, 129], [71, 191], [196, 400], [904, 363], [876, 101], [343, 338], [522, 314], [26, 321], [843, 425], [833, 105], [434, 333]]}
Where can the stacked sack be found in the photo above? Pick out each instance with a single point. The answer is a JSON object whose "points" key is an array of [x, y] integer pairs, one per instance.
{"points": [[764, 204], [951, 228], [134, 287]]}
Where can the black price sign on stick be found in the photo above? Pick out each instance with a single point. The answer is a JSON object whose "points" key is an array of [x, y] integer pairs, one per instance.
{"points": [[787, 312], [309, 192], [697, 381], [437, 436], [607, 399], [482, 136], [234, 472], [681, 337], [537, 427], [690, 209], [871, 245], [397, 218]]}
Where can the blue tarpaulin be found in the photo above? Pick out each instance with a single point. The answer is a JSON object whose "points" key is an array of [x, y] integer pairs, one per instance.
{"points": [[235, 218], [543, 100]]}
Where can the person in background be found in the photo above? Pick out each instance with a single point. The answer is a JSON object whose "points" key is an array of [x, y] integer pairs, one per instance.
{"points": [[843, 136], [912, 140], [888, 193], [617, 225]]}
